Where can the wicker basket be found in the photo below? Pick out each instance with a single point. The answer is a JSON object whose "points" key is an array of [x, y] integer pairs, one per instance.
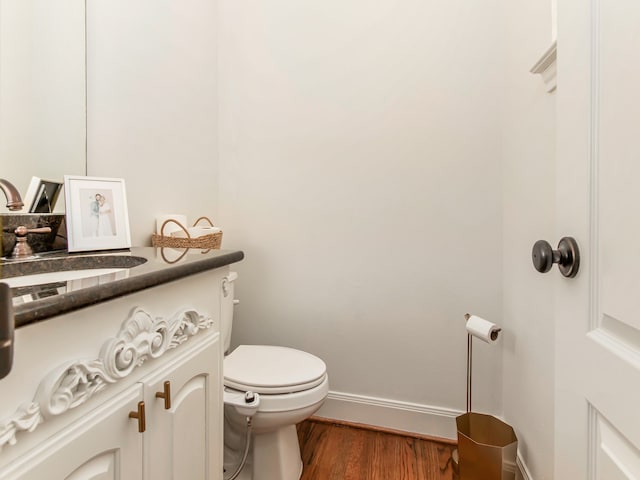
{"points": [[211, 241]]}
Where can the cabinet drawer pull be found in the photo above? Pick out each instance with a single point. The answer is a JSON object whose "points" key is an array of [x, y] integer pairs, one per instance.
{"points": [[166, 394], [142, 424]]}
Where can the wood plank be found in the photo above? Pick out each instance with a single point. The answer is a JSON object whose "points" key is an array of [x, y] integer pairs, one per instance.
{"points": [[375, 428], [335, 451]]}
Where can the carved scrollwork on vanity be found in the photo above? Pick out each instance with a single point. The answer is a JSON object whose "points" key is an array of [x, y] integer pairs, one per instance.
{"points": [[141, 337], [26, 418]]}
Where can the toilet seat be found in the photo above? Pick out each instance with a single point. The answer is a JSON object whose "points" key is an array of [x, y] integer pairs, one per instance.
{"points": [[268, 369]]}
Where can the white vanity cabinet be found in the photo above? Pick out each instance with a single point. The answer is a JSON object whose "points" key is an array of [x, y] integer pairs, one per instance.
{"points": [[108, 359]]}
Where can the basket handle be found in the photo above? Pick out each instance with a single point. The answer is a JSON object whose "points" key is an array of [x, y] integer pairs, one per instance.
{"points": [[177, 223], [203, 218]]}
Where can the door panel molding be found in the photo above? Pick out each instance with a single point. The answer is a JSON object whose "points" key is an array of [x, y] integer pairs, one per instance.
{"points": [[616, 457], [619, 338]]}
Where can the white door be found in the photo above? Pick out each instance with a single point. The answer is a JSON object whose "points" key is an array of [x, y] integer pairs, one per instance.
{"points": [[598, 200]]}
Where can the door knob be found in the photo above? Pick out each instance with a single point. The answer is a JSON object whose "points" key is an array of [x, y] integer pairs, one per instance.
{"points": [[567, 256]]}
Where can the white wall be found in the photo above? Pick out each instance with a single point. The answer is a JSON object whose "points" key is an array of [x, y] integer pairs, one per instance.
{"points": [[152, 107], [529, 215], [360, 171]]}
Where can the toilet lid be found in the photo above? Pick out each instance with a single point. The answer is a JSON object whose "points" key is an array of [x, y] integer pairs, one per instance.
{"points": [[271, 370]]}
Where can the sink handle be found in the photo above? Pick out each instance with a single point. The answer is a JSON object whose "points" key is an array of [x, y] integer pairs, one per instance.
{"points": [[22, 231], [22, 249], [6, 330]]}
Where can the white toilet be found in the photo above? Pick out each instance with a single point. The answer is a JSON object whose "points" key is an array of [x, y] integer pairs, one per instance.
{"points": [[291, 385]]}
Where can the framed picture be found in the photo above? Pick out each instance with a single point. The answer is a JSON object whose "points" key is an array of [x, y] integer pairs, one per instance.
{"points": [[97, 217], [42, 195]]}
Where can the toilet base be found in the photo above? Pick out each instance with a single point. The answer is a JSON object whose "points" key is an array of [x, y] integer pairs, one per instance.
{"points": [[276, 455]]}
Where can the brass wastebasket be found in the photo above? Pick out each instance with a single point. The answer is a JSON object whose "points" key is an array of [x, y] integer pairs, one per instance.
{"points": [[487, 448]]}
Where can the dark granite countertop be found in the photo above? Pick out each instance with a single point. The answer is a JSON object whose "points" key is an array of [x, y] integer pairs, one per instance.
{"points": [[139, 268]]}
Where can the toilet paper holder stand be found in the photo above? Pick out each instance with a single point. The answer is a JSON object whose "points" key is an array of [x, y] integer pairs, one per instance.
{"points": [[487, 447], [494, 336]]}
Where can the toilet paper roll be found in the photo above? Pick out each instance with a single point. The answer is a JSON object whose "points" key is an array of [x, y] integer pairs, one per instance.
{"points": [[170, 227], [482, 329], [195, 232]]}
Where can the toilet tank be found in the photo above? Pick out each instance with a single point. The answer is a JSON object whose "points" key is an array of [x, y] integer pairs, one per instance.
{"points": [[226, 310]]}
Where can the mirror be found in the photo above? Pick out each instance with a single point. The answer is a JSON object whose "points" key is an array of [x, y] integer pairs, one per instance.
{"points": [[42, 92]]}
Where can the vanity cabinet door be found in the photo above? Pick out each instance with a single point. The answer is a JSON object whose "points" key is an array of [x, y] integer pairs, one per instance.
{"points": [[184, 435], [103, 445]]}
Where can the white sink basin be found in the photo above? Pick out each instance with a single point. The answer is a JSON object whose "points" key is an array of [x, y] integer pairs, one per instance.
{"points": [[63, 276]]}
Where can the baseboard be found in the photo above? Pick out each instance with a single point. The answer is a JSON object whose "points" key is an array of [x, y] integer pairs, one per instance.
{"points": [[391, 414], [524, 471], [402, 417]]}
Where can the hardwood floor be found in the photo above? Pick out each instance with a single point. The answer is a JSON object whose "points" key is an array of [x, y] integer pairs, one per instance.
{"points": [[340, 452]]}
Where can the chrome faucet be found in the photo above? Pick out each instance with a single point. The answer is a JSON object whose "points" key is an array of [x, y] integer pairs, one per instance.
{"points": [[14, 202]]}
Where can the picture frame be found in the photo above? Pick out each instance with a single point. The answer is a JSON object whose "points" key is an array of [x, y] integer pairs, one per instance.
{"points": [[97, 216], [42, 195]]}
